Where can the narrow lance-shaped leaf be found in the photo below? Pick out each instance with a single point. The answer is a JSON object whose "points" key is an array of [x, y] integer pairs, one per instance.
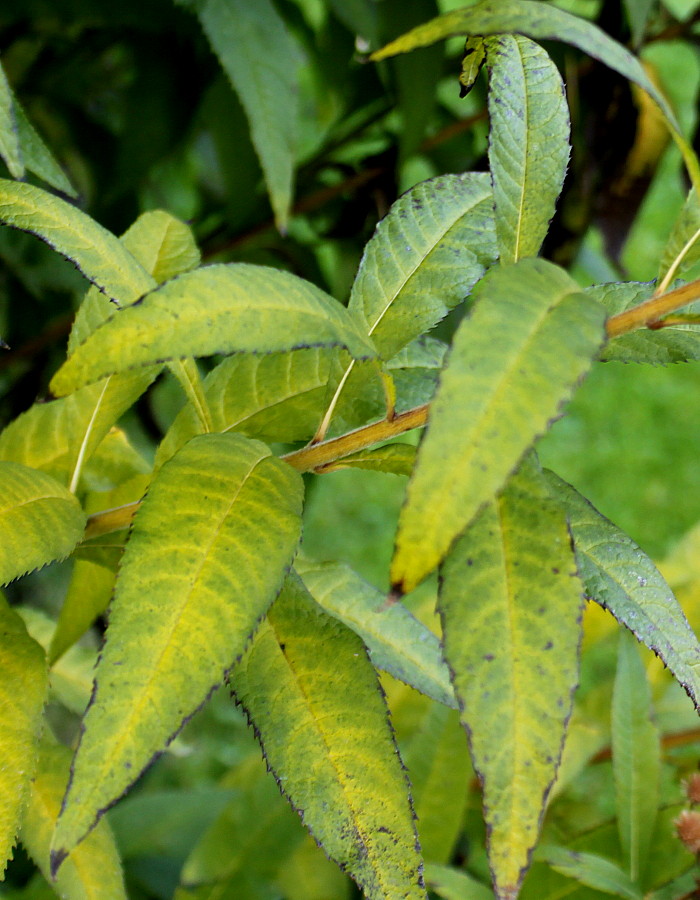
{"points": [[683, 247], [514, 362], [542, 21], [511, 612], [397, 642], [37, 156], [423, 259], [620, 577], [262, 62], [206, 557], [40, 521], [10, 149], [215, 309], [528, 142], [23, 688], [331, 748], [636, 758], [592, 870], [96, 252], [93, 871]]}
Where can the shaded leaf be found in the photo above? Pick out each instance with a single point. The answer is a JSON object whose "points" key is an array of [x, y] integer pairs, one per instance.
{"points": [[528, 142], [332, 750], [542, 21], [10, 148], [395, 458], [638, 12], [37, 156], [88, 595], [452, 884], [206, 557], [40, 521], [514, 362], [96, 252], [262, 62], [215, 309], [591, 870], [510, 606], [620, 577], [93, 870], [23, 688], [636, 758], [397, 642], [472, 63]]}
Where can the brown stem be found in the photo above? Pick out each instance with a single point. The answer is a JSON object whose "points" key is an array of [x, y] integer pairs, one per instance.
{"points": [[647, 314]]}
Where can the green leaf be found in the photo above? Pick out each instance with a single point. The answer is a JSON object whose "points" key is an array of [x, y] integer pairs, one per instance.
{"points": [[93, 870], [424, 258], [37, 156], [40, 521], [397, 642], [510, 605], [514, 362], [452, 884], [88, 595], [395, 458], [262, 62], [10, 148], [23, 688], [331, 749], [676, 343], [205, 559], [216, 309], [438, 768], [542, 21], [638, 12], [96, 252], [591, 870], [275, 397], [472, 63], [528, 142], [621, 578], [636, 758], [683, 247]]}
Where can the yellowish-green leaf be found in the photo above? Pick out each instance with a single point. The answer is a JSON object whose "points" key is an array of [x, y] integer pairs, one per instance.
{"points": [[510, 605], [636, 758], [592, 870], [88, 595], [683, 247], [10, 148], [23, 687], [397, 642], [215, 309], [395, 458], [514, 362], [115, 461], [275, 397], [542, 21], [619, 576], [207, 554], [440, 772], [528, 142], [93, 871], [96, 252], [40, 521], [331, 749], [262, 61], [472, 63]]}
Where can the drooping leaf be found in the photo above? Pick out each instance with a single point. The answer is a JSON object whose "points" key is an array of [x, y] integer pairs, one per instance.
{"points": [[590, 869], [93, 871], [96, 252], [23, 688], [262, 62], [528, 142], [10, 148], [510, 606], [620, 577], [514, 362], [453, 884], [332, 749], [206, 557], [395, 458], [683, 247], [472, 63], [423, 259], [275, 397], [40, 521], [438, 767], [638, 12], [636, 758], [675, 343], [542, 21], [215, 309], [397, 642]]}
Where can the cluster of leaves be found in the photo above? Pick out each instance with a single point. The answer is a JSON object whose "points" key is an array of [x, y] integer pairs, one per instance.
{"points": [[197, 552]]}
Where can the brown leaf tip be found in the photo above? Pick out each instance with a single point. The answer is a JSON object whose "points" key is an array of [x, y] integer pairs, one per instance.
{"points": [[56, 858], [692, 788], [688, 829]]}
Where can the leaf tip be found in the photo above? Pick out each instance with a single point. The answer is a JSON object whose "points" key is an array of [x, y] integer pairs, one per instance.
{"points": [[56, 858]]}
